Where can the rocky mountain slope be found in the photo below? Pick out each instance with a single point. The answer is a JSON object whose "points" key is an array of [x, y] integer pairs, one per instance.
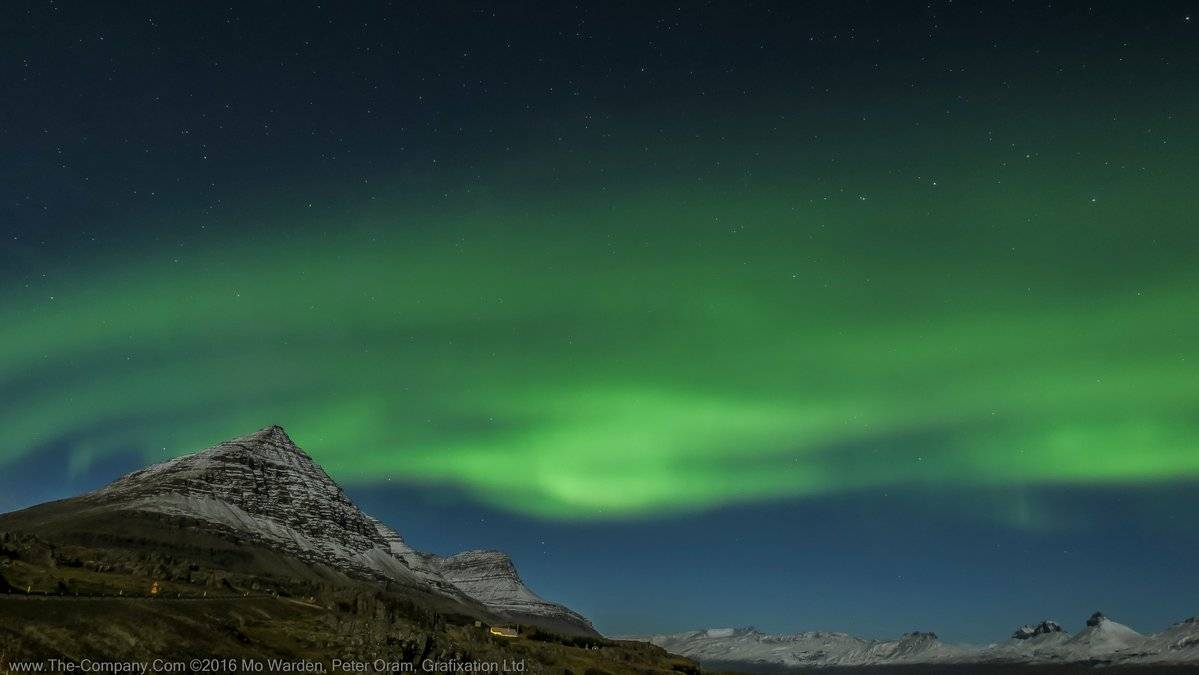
{"points": [[1100, 642], [264, 489], [490, 578]]}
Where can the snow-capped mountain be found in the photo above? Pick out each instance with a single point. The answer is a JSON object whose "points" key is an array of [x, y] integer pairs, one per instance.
{"points": [[1102, 636], [1100, 641], [813, 649], [266, 489], [1042, 642]]}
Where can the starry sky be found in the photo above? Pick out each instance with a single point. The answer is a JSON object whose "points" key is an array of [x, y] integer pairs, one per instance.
{"points": [[865, 316]]}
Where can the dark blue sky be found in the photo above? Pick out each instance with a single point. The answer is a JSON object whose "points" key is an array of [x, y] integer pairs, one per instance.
{"points": [[862, 564], [864, 316]]}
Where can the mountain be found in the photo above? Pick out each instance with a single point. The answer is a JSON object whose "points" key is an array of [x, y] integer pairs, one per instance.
{"points": [[1100, 642], [738, 646], [263, 489], [490, 578], [250, 553], [1179, 642], [1045, 628], [1102, 637], [1043, 642]]}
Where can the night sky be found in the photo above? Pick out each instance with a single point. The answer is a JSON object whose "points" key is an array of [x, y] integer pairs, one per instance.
{"points": [[863, 316]]}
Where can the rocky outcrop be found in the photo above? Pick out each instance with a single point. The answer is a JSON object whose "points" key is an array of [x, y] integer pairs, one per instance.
{"points": [[490, 578], [1027, 632], [1179, 642]]}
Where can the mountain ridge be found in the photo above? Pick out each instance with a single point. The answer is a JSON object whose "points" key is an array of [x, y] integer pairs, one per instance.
{"points": [[265, 488]]}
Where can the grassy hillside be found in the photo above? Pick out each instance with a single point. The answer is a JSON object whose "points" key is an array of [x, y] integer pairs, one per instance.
{"points": [[127, 586]]}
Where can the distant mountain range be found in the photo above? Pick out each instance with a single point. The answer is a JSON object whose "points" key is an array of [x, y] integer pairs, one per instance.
{"points": [[1100, 642]]}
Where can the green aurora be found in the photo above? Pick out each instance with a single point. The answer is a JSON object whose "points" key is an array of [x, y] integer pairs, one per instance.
{"points": [[613, 351]]}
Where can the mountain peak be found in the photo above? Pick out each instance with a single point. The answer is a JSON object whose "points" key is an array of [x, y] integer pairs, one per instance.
{"points": [[1046, 627], [1103, 636], [261, 485], [273, 433], [273, 437], [267, 458]]}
